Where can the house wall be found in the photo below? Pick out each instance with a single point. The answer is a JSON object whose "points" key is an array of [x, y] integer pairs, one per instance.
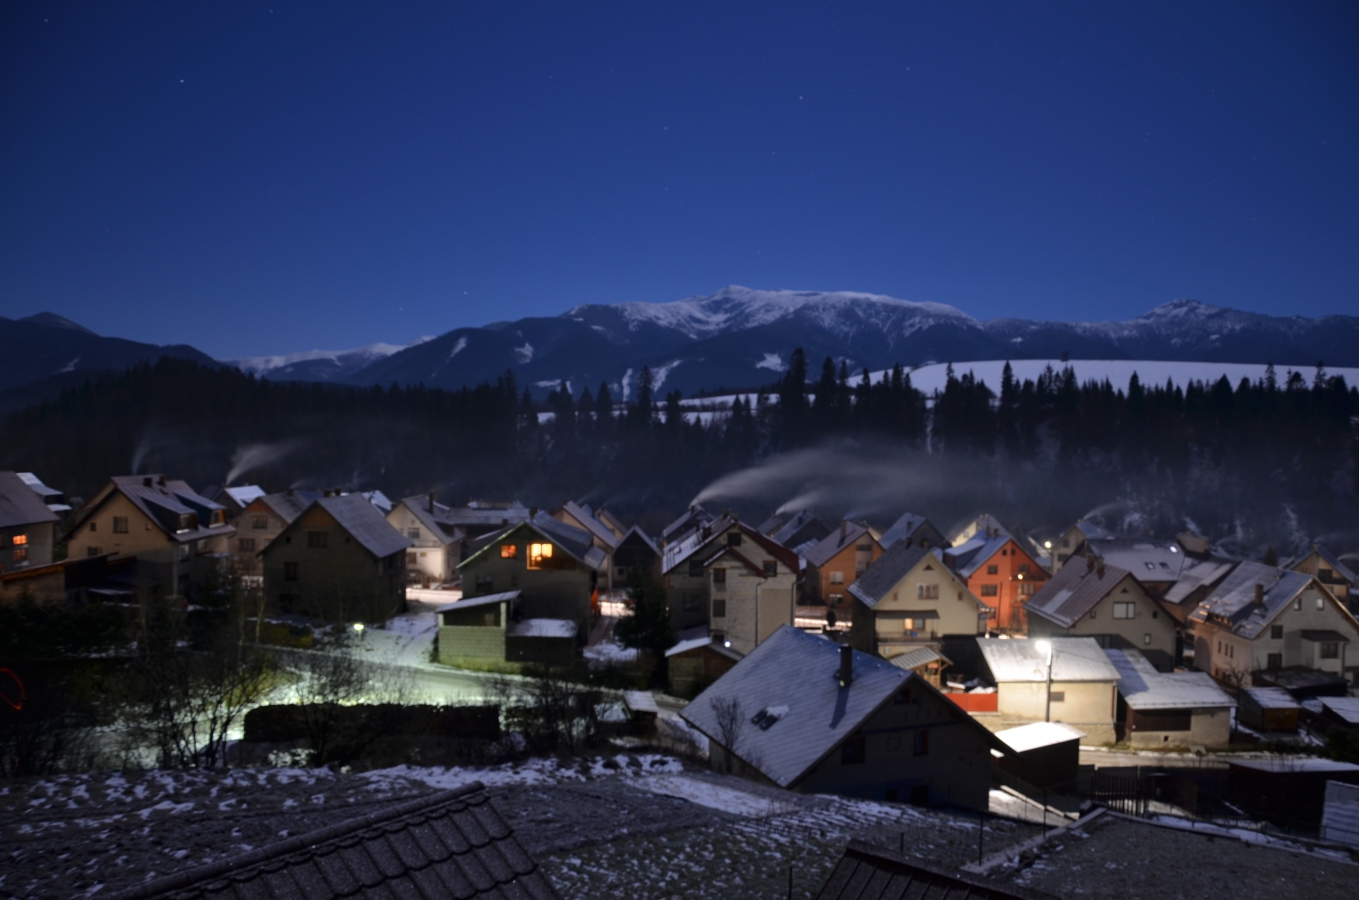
{"points": [[341, 582], [755, 606], [955, 770], [1088, 705], [882, 630], [1011, 590], [1210, 728], [634, 554], [35, 546], [849, 564], [470, 642], [562, 515], [696, 668], [1313, 564], [251, 538], [430, 559], [557, 593], [1230, 658], [1151, 630], [169, 562]]}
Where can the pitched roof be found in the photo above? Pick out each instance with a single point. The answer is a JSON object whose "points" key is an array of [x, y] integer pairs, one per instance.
{"points": [[920, 656], [449, 844], [847, 535], [1142, 687], [356, 514], [804, 520], [968, 557], [1146, 560], [1233, 601], [575, 541], [699, 643], [484, 516], [690, 519], [586, 518], [1197, 574], [794, 675], [886, 572], [677, 553], [1074, 591], [1346, 708], [902, 529], [1073, 659], [1038, 734], [163, 501], [612, 522], [771, 524], [1271, 698], [244, 494], [870, 872], [20, 505], [288, 505], [1334, 562], [985, 525], [485, 600], [1093, 531], [642, 536], [419, 506]]}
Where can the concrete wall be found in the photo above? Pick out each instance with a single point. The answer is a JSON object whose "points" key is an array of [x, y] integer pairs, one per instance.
{"points": [[755, 606], [1087, 705], [1150, 630], [1209, 728], [430, 557], [341, 582]]}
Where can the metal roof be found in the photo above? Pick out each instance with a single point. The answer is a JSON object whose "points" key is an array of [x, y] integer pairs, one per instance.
{"points": [[586, 517], [677, 553], [245, 494], [870, 872], [449, 844], [163, 501], [357, 515], [1039, 734], [1142, 687], [1073, 659], [1233, 601], [20, 505], [1197, 574], [689, 520], [793, 527], [419, 506], [1147, 560], [642, 536], [920, 656], [847, 535], [886, 572], [486, 600], [1075, 590], [905, 526], [290, 504], [1271, 698], [1347, 708]]}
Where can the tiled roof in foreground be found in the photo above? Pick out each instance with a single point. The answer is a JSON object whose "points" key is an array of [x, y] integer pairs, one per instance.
{"points": [[451, 844]]}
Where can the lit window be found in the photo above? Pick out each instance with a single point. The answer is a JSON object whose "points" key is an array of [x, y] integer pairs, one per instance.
{"points": [[509, 551], [540, 556], [219, 517], [20, 540]]}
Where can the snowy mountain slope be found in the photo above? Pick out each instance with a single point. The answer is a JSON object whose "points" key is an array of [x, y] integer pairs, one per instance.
{"points": [[318, 365]]}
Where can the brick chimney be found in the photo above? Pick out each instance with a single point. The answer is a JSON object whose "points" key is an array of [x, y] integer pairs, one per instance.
{"points": [[846, 665], [1260, 595], [844, 527]]}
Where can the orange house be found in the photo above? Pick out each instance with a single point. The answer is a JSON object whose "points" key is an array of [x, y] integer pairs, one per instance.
{"points": [[1002, 575], [837, 560]]}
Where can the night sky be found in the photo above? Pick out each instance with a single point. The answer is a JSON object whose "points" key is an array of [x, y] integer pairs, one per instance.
{"points": [[259, 178]]}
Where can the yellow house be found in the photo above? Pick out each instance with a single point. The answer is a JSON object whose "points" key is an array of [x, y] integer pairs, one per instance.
{"points": [[907, 599]]}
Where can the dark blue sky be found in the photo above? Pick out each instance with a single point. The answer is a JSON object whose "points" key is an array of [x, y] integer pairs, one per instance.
{"points": [[261, 178]]}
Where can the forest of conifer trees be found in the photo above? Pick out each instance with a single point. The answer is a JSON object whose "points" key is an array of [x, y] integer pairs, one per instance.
{"points": [[1261, 456]]}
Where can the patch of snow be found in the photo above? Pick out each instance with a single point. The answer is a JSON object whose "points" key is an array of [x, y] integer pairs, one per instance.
{"points": [[260, 365], [609, 652], [714, 796], [525, 353], [771, 361]]}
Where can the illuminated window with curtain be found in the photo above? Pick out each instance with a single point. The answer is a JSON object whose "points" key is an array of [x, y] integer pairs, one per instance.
{"points": [[540, 556], [509, 551], [20, 548]]}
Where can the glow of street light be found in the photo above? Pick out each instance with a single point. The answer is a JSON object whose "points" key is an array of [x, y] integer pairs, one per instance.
{"points": [[1047, 545], [358, 626]]}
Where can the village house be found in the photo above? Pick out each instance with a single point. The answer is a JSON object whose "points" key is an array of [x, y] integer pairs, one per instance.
{"points": [[482, 517], [732, 580], [339, 560], [1157, 565], [554, 566], [1197, 578], [490, 633], [802, 529], [26, 525], [833, 563], [984, 525], [999, 572], [909, 599], [1091, 599], [1164, 709], [602, 536], [262, 520], [1070, 681], [915, 530], [179, 538], [805, 714], [1329, 570], [1073, 541], [1264, 618], [235, 499], [688, 522], [435, 545], [637, 558]]}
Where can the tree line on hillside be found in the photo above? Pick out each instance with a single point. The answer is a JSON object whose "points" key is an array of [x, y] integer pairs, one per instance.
{"points": [[1243, 449]]}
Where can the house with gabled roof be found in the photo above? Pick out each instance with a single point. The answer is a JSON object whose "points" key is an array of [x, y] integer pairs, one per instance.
{"points": [[637, 557], [909, 599], [262, 520], [688, 522], [1073, 541], [803, 713], [339, 561], [555, 567], [1157, 565], [1162, 709], [435, 545], [236, 498], [1320, 561], [1001, 573], [1092, 599], [1262, 618], [179, 537], [26, 525], [985, 525], [601, 534], [803, 527], [732, 580], [1069, 679], [833, 563], [915, 530]]}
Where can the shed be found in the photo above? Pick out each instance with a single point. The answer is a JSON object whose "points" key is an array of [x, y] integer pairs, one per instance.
{"points": [[1340, 813], [696, 663], [1082, 689], [1046, 754], [1267, 709], [472, 632], [1290, 793], [544, 642], [1156, 709], [642, 711], [926, 662]]}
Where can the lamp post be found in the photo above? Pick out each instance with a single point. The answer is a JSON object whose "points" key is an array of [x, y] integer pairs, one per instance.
{"points": [[1045, 647]]}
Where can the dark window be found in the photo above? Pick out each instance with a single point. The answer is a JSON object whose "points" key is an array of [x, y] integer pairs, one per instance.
{"points": [[94, 526], [259, 522], [902, 696], [771, 568], [1276, 631], [990, 590], [922, 742], [1274, 661], [485, 583], [1059, 696], [719, 578], [719, 609], [1330, 649], [695, 568], [317, 540], [993, 569], [120, 524], [864, 548], [1023, 568], [413, 533], [852, 751], [245, 545], [93, 550], [411, 559], [290, 571], [734, 539], [691, 600]]}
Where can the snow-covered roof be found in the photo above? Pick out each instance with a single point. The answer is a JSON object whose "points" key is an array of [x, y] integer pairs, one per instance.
{"points": [[969, 556], [640, 701], [1346, 708], [586, 517], [1038, 734], [486, 600], [288, 505], [1271, 698], [1142, 687], [902, 529], [1147, 560], [244, 494], [356, 514], [847, 535], [19, 505], [914, 659], [1233, 601], [163, 501], [1197, 574], [1073, 659], [1075, 590]]}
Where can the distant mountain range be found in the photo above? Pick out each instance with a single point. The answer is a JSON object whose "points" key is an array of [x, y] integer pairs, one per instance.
{"points": [[736, 338]]}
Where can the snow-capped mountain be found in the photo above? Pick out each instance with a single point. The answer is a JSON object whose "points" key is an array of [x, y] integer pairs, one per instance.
{"points": [[318, 365], [740, 338]]}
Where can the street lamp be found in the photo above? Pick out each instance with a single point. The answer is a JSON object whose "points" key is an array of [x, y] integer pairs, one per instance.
{"points": [[358, 629], [1045, 647]]}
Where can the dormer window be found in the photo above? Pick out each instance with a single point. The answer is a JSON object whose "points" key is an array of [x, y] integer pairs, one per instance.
{"points": [[219, 517], [766, 717], [187, 523]]}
